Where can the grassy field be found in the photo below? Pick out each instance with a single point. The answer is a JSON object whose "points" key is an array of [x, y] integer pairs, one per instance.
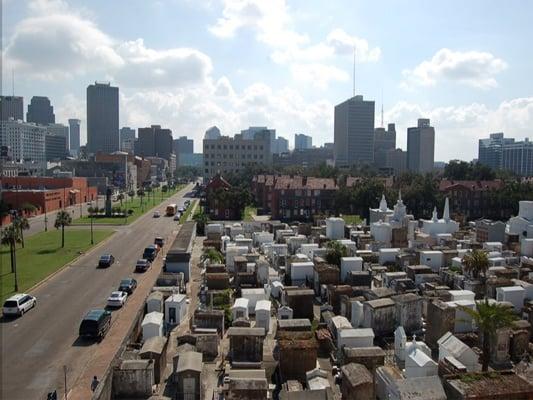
{"points": [[250, 213], [148, 201], [352, 219], [43, 255], [187, 212]]}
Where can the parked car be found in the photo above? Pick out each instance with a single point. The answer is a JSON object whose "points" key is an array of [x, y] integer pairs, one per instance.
{"points": [[95, 324], [159, 241], [18, 304], [127, 285], [117, 299], [181, 210], [157, 214], [150, 253], [142, 265], [177, 217], [106, 260]]}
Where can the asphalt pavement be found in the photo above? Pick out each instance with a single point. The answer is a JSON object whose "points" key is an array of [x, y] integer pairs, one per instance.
{"points": [[36, 346]]}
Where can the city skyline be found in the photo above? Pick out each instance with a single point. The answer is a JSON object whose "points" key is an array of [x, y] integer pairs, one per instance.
{"points": [[467, 85]]}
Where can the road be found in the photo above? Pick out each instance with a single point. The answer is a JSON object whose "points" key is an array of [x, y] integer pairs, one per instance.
{"points": [[36, 346]]}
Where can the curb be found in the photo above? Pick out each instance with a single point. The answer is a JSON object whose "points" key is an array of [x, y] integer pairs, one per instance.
{"points": [[56, 272]]}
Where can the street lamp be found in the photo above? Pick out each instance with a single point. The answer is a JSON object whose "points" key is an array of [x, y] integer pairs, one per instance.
{"points": [[92, 216]]}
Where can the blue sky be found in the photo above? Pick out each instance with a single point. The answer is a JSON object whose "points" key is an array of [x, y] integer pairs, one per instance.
{"points": [[189, 64]]}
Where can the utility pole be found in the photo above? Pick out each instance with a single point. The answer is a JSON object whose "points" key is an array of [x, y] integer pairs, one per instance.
{"points": [[92, 217], [65, 374]]}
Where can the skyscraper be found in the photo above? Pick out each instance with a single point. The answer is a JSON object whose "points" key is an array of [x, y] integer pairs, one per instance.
{"points": [[212, 133], [59, 130], [384, 140], [282, 145], [252, 132], [40, 111], [11, 107], [25, 140], [154, 142], [102, 118], [74, 126], [518, 157], [490, 151], [302, 142], [127, 139], [183, 145], [354, 132], [421, 147]]}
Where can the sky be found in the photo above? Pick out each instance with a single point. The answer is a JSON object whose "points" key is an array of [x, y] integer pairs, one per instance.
{"points": [[188, 65]]}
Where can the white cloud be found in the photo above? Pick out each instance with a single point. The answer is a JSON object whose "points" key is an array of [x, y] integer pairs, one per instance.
{"points": [[272, 23], [145, 67], [458, 128], [319, 75], [472, 68], [59, 45]]}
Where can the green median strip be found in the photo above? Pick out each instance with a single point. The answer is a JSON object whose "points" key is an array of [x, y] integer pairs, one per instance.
{"points": [[137, 205], [43, 255], [187, 212]]}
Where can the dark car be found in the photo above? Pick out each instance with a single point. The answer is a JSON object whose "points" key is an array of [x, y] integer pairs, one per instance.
{"points": [[142, 265], [95, 324], [150, 253], [106, 260], [127, 285], [159, 241], [177, 216]]}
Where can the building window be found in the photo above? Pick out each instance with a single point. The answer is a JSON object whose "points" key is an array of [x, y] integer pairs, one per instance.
{"points": [[317, 192], [297, 193]]}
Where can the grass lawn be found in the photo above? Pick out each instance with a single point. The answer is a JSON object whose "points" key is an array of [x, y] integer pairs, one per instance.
{"points": [[352, 219], [43, 255], [149, 201], [187, 212], [250, 213]]}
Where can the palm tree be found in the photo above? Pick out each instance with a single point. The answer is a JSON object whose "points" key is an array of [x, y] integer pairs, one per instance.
{"points": [[489, 318], [10, 236], [336, 251], [476, 263], [63, 219], [121, 197], [22, 224], [201, 220], [213, 255]]}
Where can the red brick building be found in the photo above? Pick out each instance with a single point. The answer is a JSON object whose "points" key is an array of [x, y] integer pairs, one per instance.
{"points": [[217, 207], [46, 193], [472, 199]]}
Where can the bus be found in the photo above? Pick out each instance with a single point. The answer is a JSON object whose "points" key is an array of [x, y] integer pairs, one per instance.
{"points": [[171, 209]]}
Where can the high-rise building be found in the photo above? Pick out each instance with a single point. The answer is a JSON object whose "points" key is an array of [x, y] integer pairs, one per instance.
{"points": [[40, 111], [384, 140], [252, 131], [183, 145], [235, 154], [24, 140], [55, 147], [127, 139], [212, 133], [518, 157], [354, 132], [421, 147], [396, 161], [490, 150], [281, 144], [59, 130], [74, 128], [302, 142], [102, 118], [154, 142], [11, 107]]}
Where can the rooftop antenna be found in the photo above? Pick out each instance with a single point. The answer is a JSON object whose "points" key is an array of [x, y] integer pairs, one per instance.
{"points": [[382, 109], [354, 71], [13, 81]]}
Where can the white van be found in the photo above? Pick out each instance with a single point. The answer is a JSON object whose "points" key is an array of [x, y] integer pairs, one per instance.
{"points": [[18, 304]]}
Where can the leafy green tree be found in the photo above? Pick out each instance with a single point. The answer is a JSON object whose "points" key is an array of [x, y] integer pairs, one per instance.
{"points": [[28, 208], [201, 220], [63, 219], [335, 252], [22, 224], [213, 256], [476, 263], [489, 318], [10, 237]]}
